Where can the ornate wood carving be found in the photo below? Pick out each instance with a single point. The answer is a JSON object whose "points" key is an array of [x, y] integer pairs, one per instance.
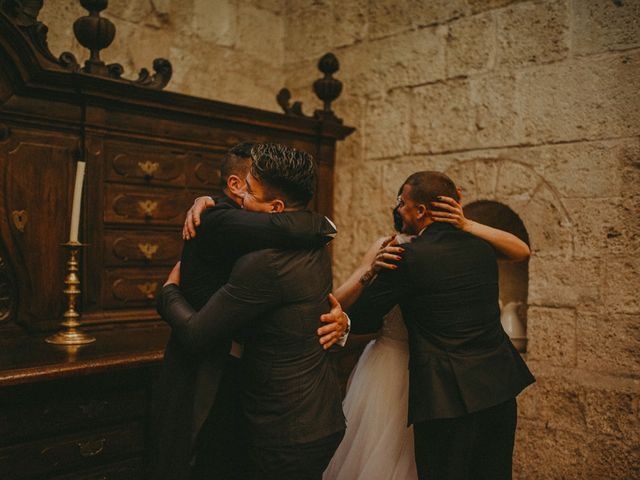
{"points": [[326, 89], [7, 293]]}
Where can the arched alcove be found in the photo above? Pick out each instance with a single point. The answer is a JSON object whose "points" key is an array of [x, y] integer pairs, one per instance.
{"points": [[514, 277]]}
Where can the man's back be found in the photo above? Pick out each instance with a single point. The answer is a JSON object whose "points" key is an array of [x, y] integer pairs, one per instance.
{"points": [[291, 391]]}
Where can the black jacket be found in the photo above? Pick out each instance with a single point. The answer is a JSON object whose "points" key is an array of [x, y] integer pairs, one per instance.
{"points": [[461, 360], [187, 385], [290, 388]]}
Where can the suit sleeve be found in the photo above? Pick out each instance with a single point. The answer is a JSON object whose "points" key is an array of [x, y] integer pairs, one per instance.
{"points": [[251, 290], [386, 291], [245, 231]]}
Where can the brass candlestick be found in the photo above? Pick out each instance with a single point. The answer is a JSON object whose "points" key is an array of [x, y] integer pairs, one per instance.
{"points": [[71, 334]]}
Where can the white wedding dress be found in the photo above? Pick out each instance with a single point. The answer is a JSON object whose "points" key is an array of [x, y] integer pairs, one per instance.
{"points": [[377, 444]]}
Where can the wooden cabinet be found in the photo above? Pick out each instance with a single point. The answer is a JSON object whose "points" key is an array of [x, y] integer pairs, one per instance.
{"points": [[69, 413]]}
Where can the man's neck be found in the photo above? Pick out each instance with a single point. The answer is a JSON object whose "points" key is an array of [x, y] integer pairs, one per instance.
{"points": [[233, 197]]}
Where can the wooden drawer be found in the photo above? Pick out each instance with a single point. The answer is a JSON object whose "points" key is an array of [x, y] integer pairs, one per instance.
{"points": [[148, 164], [129, 470], [70, 452], [204, 172], [128, 287], [145, 206], [53, 414], [144, 247]]}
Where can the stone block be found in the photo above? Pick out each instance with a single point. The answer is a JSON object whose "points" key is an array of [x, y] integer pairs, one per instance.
{"points": [[260, 34], [307, 32], [516, 180], [442, 117], [552, 335], [554, 109], [471, 45], [387, 125], [434, 12], [483, 5], [612, 458], [495, 100], [547, 222], [547, 453], [129, 11], [349, 22], [621, 282], [613, 413], [560, 282], [532, 33], [608, 342], [487, 178], [275, 6], [603, 227], [463, 173], [59, 17], [407, 59], [217, 25], [603, 25], [388, 17]]}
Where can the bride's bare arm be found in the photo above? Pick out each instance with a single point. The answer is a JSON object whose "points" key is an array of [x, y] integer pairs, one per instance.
{"points": [[506, 243], [383, 250]]}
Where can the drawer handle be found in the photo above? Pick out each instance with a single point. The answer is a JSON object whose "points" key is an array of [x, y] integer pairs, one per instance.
{"points": [[20, 219], [148, 207], [149, 289], [92, 447], [148, 249], [148, 168]]}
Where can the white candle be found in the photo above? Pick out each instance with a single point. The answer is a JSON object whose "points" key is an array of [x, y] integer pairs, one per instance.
{"points": [[77, 200]]}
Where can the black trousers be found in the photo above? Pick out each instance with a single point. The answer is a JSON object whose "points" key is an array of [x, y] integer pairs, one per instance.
{"points": [[477, 446], [305, 461], [222, 446]]}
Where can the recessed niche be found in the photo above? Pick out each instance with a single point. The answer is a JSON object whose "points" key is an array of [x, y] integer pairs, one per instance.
{"points": [[514, 277]]}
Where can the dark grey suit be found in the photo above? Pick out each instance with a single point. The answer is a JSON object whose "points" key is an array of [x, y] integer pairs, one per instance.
{"points": [[291, 392], [461, 361]]}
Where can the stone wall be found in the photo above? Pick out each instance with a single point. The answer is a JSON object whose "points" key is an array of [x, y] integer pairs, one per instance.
{"points": [[229, 50], [534, 104]]}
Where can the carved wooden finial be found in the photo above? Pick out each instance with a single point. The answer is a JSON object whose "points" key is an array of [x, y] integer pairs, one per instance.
{"points": [[327, 88], [95, 33]]}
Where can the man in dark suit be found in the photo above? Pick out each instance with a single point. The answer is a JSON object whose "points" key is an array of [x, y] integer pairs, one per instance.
{"points": [[464, 371], [198, 422], [291, 395]]}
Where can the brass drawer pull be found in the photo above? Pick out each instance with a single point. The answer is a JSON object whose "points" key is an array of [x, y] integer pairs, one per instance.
{"points": [[148, 168], [92, 447], [148, 249], [148, 207], [20, 219], [149, 289]]}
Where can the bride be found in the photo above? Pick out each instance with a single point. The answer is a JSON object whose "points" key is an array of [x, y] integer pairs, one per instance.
{"points": [[377, 444]]}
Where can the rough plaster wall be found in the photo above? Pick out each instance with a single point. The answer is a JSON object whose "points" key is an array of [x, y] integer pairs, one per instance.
{"points": [[229, 50], [534, 104]]}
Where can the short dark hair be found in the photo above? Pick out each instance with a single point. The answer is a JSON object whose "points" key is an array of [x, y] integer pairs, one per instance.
{"points": [[427, 186], [236, 162], [285, 172]]}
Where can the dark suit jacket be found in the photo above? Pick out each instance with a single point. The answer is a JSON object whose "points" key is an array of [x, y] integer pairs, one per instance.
{"points": [[187, 385], [461, 360], [290, 388]]}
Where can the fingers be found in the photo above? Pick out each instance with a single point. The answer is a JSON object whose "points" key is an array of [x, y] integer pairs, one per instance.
{"points": [[392, 240], [328, 341], [327, 329], [446, 206], [333, 301], [190, 225], [388, 256], [378, 265]]}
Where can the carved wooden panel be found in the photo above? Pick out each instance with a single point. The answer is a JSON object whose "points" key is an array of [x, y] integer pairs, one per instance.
{"points": [[204, 172], [145, 206], [124, 247], [36, 173], [133, 162], [48, 416], [72, 451], [131, 287], [129, 470]]}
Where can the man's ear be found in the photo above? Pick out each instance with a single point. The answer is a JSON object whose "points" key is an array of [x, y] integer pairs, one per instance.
{"points": [[422, 211], [236, 185], [277, 206]]}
